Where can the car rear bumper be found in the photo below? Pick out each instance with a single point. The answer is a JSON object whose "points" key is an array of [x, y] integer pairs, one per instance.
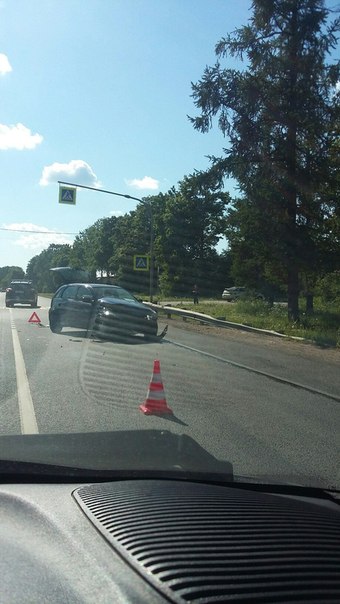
{"points": [[21, 300]]}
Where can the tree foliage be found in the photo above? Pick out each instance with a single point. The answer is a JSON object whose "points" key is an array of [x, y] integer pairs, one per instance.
{"points": [[187, 223], [190, 222], [38, 268], [279, 114], [7, 273]]}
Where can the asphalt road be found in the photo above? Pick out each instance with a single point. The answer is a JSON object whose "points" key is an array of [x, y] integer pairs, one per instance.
{"points": [[267, 407]]}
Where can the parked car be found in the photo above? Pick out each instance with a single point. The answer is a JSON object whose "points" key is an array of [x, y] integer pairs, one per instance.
{"points": [[235, 293], [106, 310], [21, 292]]}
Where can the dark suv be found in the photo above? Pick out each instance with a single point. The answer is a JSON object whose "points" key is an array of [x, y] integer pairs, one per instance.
{"points": [[21, 292]]}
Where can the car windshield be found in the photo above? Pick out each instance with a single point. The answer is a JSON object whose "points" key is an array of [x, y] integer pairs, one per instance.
{"points": [[182, 159], [113, 292], [20, 285]]}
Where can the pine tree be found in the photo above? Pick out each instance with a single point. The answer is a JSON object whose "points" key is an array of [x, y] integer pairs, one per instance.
{"points": [[279, 114]]}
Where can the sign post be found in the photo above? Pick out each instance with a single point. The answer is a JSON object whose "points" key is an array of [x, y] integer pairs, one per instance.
{"points": [[67, 195]]}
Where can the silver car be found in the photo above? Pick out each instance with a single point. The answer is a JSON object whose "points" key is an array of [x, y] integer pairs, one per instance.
{"points": [[235, 293]]}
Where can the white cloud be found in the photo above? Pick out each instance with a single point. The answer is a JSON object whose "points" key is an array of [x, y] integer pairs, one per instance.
{"points": [[76, 171], [36, 237], [5, 66], [144, 183], [18, 137]]}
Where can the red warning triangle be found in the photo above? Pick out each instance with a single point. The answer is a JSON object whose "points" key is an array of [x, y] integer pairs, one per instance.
{"points": [[34, 318]]}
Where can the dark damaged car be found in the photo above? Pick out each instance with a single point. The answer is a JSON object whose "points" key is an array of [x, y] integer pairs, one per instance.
{"points": [[103, 310]]}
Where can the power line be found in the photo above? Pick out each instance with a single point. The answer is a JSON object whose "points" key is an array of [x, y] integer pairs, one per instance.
{"points": [[39, 232]]}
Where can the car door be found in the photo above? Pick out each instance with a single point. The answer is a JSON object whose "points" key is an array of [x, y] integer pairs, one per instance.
{"points": [[83, 306], [66, 305]]}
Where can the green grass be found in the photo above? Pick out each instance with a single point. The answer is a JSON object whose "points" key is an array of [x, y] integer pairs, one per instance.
{"points": [[322, 326]]}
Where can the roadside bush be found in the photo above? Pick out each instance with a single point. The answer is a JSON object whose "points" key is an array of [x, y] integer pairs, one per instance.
{"points": [[329, 287]]}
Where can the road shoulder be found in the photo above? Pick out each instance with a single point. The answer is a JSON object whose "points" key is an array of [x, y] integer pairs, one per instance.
{"points": [[298, 347]]}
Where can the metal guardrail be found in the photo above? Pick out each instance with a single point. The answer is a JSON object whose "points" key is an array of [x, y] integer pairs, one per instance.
{"points": [[208, 320]]}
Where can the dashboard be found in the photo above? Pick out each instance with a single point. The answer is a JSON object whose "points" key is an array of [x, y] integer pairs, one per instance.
{"points": [[152, 540]]}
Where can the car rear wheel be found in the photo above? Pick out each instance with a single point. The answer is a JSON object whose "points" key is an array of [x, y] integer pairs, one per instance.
{"points": [[55, 325]]}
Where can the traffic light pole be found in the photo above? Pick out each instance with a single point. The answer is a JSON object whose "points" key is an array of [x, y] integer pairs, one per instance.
{"points": [[60, 182]]}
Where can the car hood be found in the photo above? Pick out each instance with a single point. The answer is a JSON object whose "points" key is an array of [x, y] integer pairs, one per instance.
{"points": [[129, 305], [128, 454], [128, 450]]}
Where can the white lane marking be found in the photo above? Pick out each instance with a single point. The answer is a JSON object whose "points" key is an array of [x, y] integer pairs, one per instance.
{"points": [[28, 420]]}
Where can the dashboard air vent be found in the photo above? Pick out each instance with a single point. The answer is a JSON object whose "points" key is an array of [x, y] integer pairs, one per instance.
{"points": [[206, 544]]}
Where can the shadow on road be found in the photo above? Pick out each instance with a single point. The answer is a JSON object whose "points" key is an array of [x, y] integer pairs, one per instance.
{"points": [[172, 418], [81, 335]]}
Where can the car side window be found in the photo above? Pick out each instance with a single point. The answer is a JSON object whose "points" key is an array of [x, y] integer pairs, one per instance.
{"points": [[70, 292], [110, 292], [60, 292], [83, 291]]}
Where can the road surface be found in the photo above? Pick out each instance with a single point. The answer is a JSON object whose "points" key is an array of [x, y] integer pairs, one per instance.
{"points": [[267, 407]]}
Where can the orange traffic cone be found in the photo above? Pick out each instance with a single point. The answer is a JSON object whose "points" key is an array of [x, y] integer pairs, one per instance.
{"points": [[155, 403]]}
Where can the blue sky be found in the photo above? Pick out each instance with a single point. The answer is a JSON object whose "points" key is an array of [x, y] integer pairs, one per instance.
{"points": [[98, 93]]}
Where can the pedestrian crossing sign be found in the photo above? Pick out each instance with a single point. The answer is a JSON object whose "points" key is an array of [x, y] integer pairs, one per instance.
{"points": [[67, 195], [140, 263]]}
